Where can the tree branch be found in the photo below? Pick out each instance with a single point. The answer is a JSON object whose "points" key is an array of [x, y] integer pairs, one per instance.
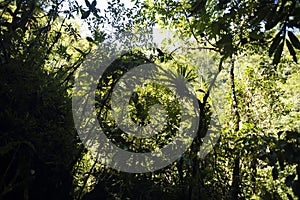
{"points": [[236, 170]]}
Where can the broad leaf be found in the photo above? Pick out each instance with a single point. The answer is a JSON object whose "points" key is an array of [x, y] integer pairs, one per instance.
{"points": [[272, 21], [289, 180], [275, 43], [89, 39], [87, 3], [85, 14], [80, 51], [94, 3], [291, 50], [294, 40], [275, 172], [278, 53], [295, 187]]}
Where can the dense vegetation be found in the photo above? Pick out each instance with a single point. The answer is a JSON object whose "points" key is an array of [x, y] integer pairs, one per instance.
{"points": [[250, 47]]}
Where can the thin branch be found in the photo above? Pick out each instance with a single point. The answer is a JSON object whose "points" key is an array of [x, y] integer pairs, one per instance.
{"points": [[234, 97], [190, 26], [214, 80], [74, 68], [194, 48], [86, 179], [236, 170]]}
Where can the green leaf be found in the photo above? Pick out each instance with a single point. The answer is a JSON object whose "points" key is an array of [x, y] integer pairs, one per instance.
{"points": [[271, 23], [292, 135], [96, 14], [89, 39], [295, 187], [80, 51], [272, 158], [280, 157], [87, 3], [198, 6], [94, 3], [260, 15], [275, 172], [289, 180], [85, 14], [272, 19], [294, 40], [278, 53], [226, 43], [291, 50], [200, 90], [135, 97], [275, 43]]}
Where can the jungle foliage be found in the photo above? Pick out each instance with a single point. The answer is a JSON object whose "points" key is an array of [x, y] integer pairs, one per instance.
{"points": [[250, 47]]}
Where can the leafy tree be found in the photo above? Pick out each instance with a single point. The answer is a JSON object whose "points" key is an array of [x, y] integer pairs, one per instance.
{"points": [[38, 143], [230, 26], [251, 47]]}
